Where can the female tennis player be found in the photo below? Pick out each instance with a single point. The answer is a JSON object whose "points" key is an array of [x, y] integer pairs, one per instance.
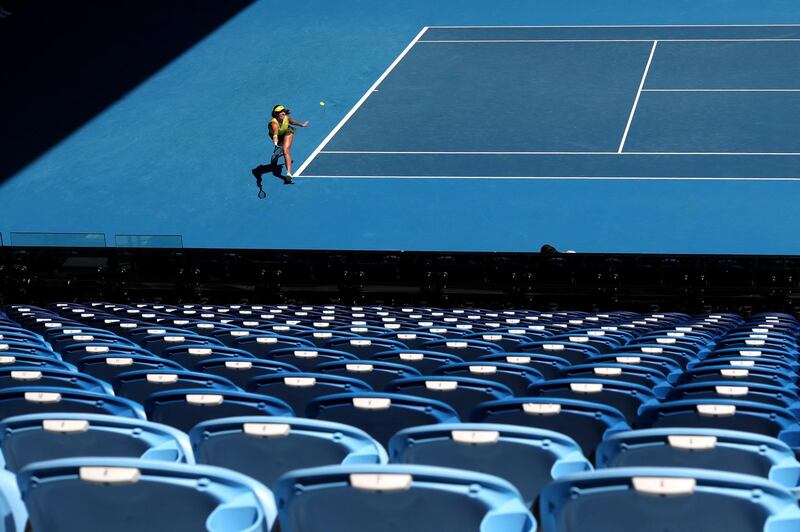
{"points": [[282, 133]]}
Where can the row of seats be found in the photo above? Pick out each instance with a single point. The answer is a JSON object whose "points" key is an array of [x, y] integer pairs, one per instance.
{"points": [[622, 369]]}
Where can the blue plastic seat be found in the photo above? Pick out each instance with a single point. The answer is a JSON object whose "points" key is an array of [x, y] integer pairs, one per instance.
{"points": [[516, 377], [671, 369], [426, 362], [52, 361], [299, 389], [75, 353], [106, 367], [780, 396], [411, 338], [527, 457], [158, 343], [10, 347], [139, 385], [586, 423], [466, 349], [240, 370], [726, 414], [265, 448], [36, 437], [41, 399], [127, 495], [724, 371], [320, 337], [183, 409], [462, 393], [666, 499], [507, 341], [189, 356], [721, 450], [626, 397], [549, 366], [16, 376], [308, 358], [643, 376], [373, 372], [381, 415], [364, 347], [262, 344], [574, 352], [389, 498]]}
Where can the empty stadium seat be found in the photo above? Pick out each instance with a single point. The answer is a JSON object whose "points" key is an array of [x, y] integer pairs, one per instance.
{"points": [[722, 450], [528, 458], [183, 409], [139, 385], [462, 393], [36, 437], [392, 498], [381, 415], [240, 370], [299, 389], [374, 372], [125, 495], [41, 399], [666, 499], [585, 422], [265, 448]]}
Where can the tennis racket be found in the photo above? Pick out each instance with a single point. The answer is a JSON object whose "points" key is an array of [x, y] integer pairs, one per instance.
{"points": [[277, 153]]}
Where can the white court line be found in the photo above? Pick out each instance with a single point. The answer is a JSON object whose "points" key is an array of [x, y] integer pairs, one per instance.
{"points": [[534, 41], [556, 178], [720, 90], [638, 95], [395, 152], [632, 26], [360, 102]]}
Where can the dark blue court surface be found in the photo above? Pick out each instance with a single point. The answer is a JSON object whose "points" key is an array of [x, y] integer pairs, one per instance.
{"points": [[610, 103], [504, 133]]}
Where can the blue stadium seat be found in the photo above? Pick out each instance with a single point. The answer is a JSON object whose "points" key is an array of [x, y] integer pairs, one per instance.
{"points": [[726, 414], [189, 356], [374, 372], [516, 376], [467, 350], [574, 352], [364, 347], [8, 347], [507, 341], [549, 366], [626, 397], [36, 437], [586, 423], [263, 344], [722, 450], [411, 338], [389, 498], [128, 495], [139, 385], [75, 353], [381, 415], [426, 362], [462, 393], [13, 514], [320, 338], [299, 389], [34, 361], [106, 367], [183, 409], [265, 448], [780, 396], [41, 399], [527, 457], [308, 358], [671, 369], [665, 499], [643, 376], [16, 376], [239, 370], [732, 374]]}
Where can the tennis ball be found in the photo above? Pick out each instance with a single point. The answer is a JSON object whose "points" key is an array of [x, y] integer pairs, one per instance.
{"points": [[322, 104]]}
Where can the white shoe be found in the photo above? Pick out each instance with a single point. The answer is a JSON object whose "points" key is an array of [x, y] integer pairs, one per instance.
{"points": [[289, 175]]}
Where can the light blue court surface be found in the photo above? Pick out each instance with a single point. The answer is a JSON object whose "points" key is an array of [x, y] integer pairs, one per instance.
{"points": [[597, 126]]}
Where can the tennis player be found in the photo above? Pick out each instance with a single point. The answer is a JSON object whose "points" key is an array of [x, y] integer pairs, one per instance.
{"points": [[282, 133]]}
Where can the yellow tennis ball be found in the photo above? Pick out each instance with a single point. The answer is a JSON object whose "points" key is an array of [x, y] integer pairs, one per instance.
{"points": [[322, 104]]}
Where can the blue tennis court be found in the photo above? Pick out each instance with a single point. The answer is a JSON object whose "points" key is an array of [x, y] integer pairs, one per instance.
{"points": [[579, 103]]}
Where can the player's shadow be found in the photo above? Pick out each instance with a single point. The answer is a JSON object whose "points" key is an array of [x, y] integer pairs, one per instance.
{"points": [[263, 169]]}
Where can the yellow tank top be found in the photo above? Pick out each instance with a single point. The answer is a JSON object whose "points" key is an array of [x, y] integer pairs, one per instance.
{"points": [[282, 127]]}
